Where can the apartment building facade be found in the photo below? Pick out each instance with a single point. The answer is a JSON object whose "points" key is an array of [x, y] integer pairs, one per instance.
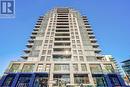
{"points": [[62, 52]]}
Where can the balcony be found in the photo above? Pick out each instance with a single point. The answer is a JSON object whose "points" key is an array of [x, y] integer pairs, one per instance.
{"points": [[89, 29], [29, 45], [95, 45], [33, 36], [27, 50], [62, 52], [61, 21], [31, 41], [99, 55], [91, 36], [63, 24], [34, 33], [93, 40], [62, 39], [62, 30], [25, 56], [97, 50], [37, 26], [36, 29], [88, 26], [61, 44], [62, 34]]}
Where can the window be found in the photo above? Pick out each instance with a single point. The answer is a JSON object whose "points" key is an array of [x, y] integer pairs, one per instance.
{"points": [[49, 52], [51, 41], [43, 52], [45, 46], [42, 58], [99, 81], [48, 67], [81, 79], [38, 42], [73, 41], [61, 57], [40, 67], [81, 58], [83, 67], [46, 41], [74, 52], [8, 81], [78, 41], [77, 37], [109, 68], [95, 68], [35, 53], [50, 46], [23, 81], [28, 68], [14, 68], [61, 79], [79, 46], [40, 81], [61, 67], [74, 46], [75, 67], [80, 52], [114, 79], [48, 58], [75, 58]]}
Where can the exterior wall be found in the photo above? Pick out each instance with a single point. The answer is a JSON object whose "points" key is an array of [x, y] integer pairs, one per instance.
{"points": [[64, 46]]}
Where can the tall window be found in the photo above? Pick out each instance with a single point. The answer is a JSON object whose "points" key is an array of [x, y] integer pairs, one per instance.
{"points": [[14, 67], [83, 67], [108, 68], [100, 81], [95, 68], [28, 67], [75, 67], [40, 67], [81, 79]]}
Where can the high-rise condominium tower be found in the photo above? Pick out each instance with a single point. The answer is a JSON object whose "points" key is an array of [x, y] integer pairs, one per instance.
{"points": [[62, 52]]}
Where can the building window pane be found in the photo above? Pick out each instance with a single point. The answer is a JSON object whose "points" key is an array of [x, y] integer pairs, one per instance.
{"points": [[75, 58], [42, 58], [48, 58], [40, 67], [108, 68], [43, 52], [61, 67], [75, 67], [14, 68], [83, 67], [81, 58], [95, 68], [35, 53], [28, 67], [81, 79]]}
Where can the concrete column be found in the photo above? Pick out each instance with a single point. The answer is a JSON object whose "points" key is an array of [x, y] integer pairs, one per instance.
{"points": [[71, 74], [90, 74], [50, 73]]}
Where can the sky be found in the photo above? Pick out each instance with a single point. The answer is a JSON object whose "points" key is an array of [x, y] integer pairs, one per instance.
{"points": [[110, 20]]}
